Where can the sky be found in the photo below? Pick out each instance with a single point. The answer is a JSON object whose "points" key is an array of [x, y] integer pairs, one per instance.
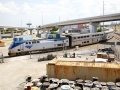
{"points": [[41, 12]]}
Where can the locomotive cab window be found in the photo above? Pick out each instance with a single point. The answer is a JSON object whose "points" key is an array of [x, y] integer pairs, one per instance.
{"points": [[29, 42], [38, 42], [26, 42]]}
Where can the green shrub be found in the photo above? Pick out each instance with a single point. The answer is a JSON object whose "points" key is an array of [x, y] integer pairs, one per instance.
{"points": [[54, 32], [99, 29]]}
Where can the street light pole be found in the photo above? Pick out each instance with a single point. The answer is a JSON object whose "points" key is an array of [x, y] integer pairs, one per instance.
{"points": [[42, 17], [59, 18], [103, 14]]}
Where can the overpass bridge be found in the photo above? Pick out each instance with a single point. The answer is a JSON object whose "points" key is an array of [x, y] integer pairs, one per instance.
{"points": [[93, 23], [95, 19], [2, 28]]}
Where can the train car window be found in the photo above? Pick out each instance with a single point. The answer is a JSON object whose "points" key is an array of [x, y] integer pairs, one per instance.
{"points": [[18, 49], [29, 42], [38, 42], [93, 35], [78, 37], [26, 42], [87, 36], [58, 44], [84, 36], [74, 37], [33, 42], [20, 39], [87, 41]]}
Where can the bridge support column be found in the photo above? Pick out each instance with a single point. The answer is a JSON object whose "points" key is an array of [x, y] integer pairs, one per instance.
{"points": [[44, 30], [48, 31], [22, 32], [30, 31], [12, 33], [60, 30], [93, 27], [38, 31], [3, 31]]}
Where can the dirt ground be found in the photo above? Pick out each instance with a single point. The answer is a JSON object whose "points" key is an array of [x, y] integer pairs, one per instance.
{"points": [[14, 69]]}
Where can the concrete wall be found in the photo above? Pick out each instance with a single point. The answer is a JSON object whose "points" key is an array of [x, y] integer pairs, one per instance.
{"points": [[88, 71]]}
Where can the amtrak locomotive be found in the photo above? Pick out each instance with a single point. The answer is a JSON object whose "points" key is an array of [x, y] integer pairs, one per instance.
{"points": [[25, 44]]}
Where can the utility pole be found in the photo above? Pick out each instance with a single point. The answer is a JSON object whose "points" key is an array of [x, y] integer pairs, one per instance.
{"points": [[103, 14], [42, 17], [59, 18]]}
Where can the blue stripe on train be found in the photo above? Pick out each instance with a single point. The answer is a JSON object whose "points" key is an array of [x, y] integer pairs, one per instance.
{"points": [[15, 44]]}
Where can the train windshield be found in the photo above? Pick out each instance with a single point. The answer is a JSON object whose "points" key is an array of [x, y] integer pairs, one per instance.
{"points": [[16, 39]]}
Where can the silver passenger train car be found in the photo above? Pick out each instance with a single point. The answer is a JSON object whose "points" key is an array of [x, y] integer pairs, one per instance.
{"points": [[89, 38], [25, 44]]}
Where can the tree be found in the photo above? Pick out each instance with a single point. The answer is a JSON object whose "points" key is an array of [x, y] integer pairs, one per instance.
{"points": [[99, 29], [54, 30], [39, 26]]}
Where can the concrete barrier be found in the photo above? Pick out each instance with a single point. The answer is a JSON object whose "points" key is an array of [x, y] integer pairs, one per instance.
{"points": [[85, 70]]}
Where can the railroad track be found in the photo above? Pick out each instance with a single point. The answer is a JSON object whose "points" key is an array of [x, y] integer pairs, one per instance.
{"points": [[117, 36]]}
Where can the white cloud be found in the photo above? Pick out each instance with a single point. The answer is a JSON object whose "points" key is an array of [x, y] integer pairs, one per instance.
{"points": [[70, 9], [45, 1], [9, 7]]}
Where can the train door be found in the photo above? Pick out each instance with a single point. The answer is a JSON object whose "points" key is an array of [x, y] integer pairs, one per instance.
{"points": [[22, 47]]}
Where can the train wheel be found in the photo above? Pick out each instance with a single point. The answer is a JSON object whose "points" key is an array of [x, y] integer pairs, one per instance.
{"points": [[17, 54], [26, 53], [9, 54]]}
